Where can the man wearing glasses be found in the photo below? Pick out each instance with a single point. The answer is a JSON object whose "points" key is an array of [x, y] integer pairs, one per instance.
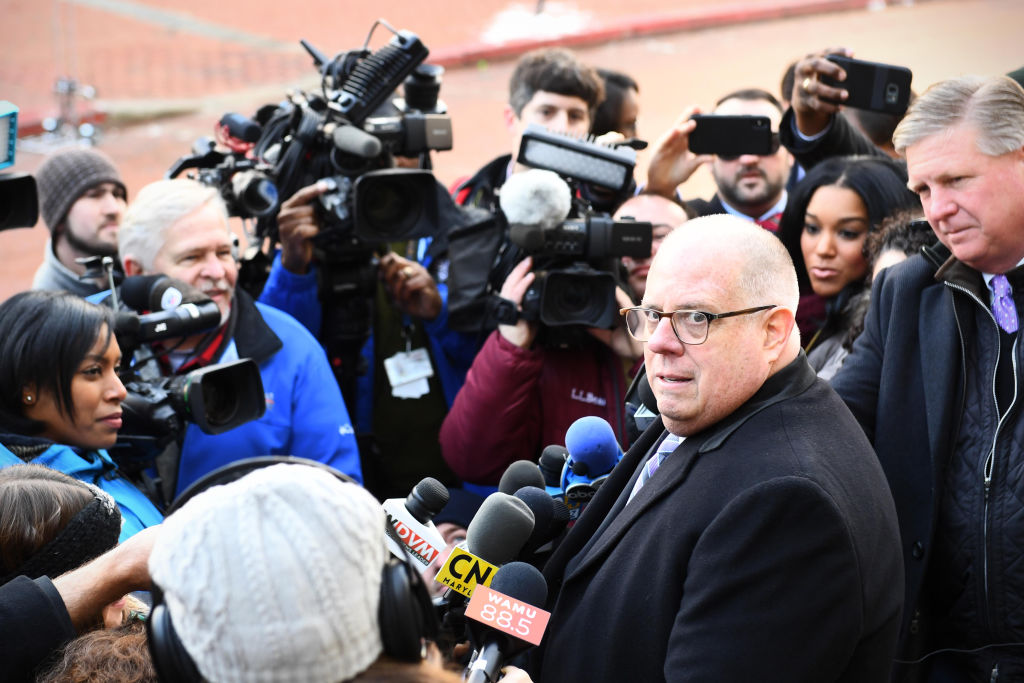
{"points": [[749, 535], [750, 186]]}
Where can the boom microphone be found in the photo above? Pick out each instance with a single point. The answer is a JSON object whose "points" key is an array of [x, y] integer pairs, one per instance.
{"points": [[356, 141], [409, 520], [158, 293], [519, 474], [526, 586], [534, 198], [183, 321]]}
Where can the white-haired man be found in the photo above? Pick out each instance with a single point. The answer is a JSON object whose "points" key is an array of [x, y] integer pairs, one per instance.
{"points": [[180, 228], [936, 378]]}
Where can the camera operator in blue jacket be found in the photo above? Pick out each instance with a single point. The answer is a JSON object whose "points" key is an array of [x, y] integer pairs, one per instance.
{"points": [[409, 325]]}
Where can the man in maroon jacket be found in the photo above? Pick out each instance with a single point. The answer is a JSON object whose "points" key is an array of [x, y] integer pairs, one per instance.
{"points": [[521, 396]]}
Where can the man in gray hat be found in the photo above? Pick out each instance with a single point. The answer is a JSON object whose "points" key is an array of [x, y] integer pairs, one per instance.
{"points": [[81, 199]]}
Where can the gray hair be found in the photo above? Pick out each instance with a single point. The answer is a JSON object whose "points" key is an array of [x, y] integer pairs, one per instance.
{"points": [[994, 106], [156, 208]]}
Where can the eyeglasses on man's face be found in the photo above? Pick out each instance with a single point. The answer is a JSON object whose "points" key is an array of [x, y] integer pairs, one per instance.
{"points": [[690, 327]]}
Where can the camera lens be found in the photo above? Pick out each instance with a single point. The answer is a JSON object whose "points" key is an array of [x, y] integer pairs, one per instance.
{"points": [[578, 298], [390, 208], [221, 405]]}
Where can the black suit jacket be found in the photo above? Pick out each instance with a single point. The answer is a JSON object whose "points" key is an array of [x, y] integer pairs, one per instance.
{"points": [[706, 207], [765, 548]]}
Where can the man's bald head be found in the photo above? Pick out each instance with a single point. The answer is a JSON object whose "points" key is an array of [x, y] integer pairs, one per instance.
{"points": [[664, 215], [764, 267], [731, 289]]}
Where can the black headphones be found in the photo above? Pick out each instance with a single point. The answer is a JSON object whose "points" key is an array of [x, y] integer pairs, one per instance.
{"points": [[406, 613]]}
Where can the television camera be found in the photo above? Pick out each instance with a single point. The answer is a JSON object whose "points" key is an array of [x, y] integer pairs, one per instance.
{"points": [[347, 135], [549, 213]]}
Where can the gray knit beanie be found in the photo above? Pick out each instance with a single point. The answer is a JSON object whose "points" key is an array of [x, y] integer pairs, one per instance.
{"points": [[275, 577], [66, 175]]}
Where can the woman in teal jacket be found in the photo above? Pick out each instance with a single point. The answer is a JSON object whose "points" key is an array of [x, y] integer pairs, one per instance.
{"points": [[60, 396]]}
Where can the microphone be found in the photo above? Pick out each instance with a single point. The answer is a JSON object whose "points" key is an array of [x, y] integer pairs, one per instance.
{"points": [[526, 587], [242, 128], [178, 309], [356, 141], [494, 536], [500, 528], [593, 452], [409, 520], [158, 293], [519, 474], [550, 519], [552, 460], [560, 518], [532, 202], [183, 321]]}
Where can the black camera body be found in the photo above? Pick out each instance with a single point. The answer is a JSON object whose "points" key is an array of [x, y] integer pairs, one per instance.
{"points": [[575, 268], [19, 201], [245, 184], [546, 214], [158, 408]]}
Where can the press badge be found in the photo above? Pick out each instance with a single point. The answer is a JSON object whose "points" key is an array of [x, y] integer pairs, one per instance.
{"points": [[408, 372]]}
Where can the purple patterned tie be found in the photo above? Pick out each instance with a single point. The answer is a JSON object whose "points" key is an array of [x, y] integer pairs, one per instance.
{"points": [[1002, 304], [665, 449]]}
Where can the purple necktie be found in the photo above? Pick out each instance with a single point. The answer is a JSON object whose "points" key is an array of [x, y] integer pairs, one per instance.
{"points": [[665, 449], [1002, 304]]}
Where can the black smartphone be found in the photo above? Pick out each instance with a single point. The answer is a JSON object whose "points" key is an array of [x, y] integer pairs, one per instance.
{"points": [[872, 85], [730, 136]]}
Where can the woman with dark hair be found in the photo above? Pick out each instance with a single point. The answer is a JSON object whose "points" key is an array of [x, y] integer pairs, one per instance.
{"points": [[51, 523], [825, 227], [60, 396], [619, 109]]}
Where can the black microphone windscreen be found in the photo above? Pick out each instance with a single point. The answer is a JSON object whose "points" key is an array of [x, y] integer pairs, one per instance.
{"points": [[521, 581], [135, 291], [560, 518], [519, 474], [542, 505], [552, 459], [158, 293], [427, 499], [499, 529]]}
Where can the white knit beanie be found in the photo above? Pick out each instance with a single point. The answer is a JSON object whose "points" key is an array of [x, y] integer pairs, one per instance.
{"points": [[275, 577]]}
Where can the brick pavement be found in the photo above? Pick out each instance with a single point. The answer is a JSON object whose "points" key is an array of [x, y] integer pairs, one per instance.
{"points": [[674, 69], [187, 49]]}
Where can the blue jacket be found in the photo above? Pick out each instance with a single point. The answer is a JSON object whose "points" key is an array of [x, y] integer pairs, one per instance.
{"points": [[452, 352], [92, 467], [305, 416]]}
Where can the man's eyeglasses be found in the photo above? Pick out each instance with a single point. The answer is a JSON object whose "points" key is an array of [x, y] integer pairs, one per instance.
{"points": [[690, 327], [774, 148]]}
